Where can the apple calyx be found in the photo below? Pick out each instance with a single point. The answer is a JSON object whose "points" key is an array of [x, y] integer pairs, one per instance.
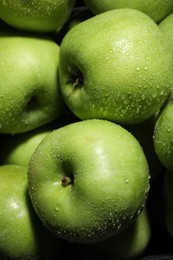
{"points": [[65, 181], [32, 103], [75, 77]]}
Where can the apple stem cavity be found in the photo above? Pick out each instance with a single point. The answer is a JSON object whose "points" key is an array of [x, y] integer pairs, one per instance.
{"points": [[66, 181], [75, 77]]}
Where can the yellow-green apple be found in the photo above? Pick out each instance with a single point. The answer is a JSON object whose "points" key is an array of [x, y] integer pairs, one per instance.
{"points": [[23, 236], [131, 243], [29, 87], [88, 180], [166, 26], [17, 149], [156, 9], [163, 134], [115, 66], [36, 15]]}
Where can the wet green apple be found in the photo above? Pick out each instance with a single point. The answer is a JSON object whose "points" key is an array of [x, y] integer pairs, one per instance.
{"points": [[22, 234], [36, 15], [29, 87], [115, 66], [163, 134], [88, 180], [131, 243], [156, 9]]}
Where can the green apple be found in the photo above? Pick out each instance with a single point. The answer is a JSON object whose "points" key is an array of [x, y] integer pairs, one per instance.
{"points": [[88, 180], [36, 15], [143, 132], [168, 201], [163, 135], [17, 149], [22, 234], [156, 9], [131, 243], [29, 87], [166, 26], [115, 66]]}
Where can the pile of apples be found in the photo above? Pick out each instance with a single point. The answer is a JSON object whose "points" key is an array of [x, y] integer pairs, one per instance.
{"points": [[86, 129]]}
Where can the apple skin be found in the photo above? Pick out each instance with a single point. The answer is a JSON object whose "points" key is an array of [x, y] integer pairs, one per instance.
{"points": [[131, 243], [166, 26], [163, 134], [108, 71], [88, 180], [37, 15], [22, 234], [17, 149], [143, 132], [156, 9], [30, 94]]}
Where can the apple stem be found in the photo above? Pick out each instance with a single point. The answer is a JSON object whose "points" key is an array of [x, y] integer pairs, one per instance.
{"points": [[66, 181], [78, 82]]}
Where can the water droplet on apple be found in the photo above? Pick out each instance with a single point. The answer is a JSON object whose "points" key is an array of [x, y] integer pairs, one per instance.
{"points": [[126, 180], [56, 209]]}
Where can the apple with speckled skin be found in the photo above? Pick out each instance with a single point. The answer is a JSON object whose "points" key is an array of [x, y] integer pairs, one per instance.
{"points": [[163, 134], [37, 15], [22, 234], [115, 66], [156, 9], [30, 94], [130, 244], [88, 180]]}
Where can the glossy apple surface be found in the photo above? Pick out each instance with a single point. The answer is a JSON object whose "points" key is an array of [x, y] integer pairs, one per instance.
{"points": [[163, 135], [30, 95], [88, 180], [115, 66], [131, 243], [22, 234], [156, 9], [37, 15]]}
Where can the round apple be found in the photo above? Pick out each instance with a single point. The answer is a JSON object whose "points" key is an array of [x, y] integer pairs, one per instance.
{"points": [[36, 15], [131, 243], [163, 135], [156, 9], [17, 149], [88, 180], [30, 95], [115, 66], [22, 234], [166, 26]]}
